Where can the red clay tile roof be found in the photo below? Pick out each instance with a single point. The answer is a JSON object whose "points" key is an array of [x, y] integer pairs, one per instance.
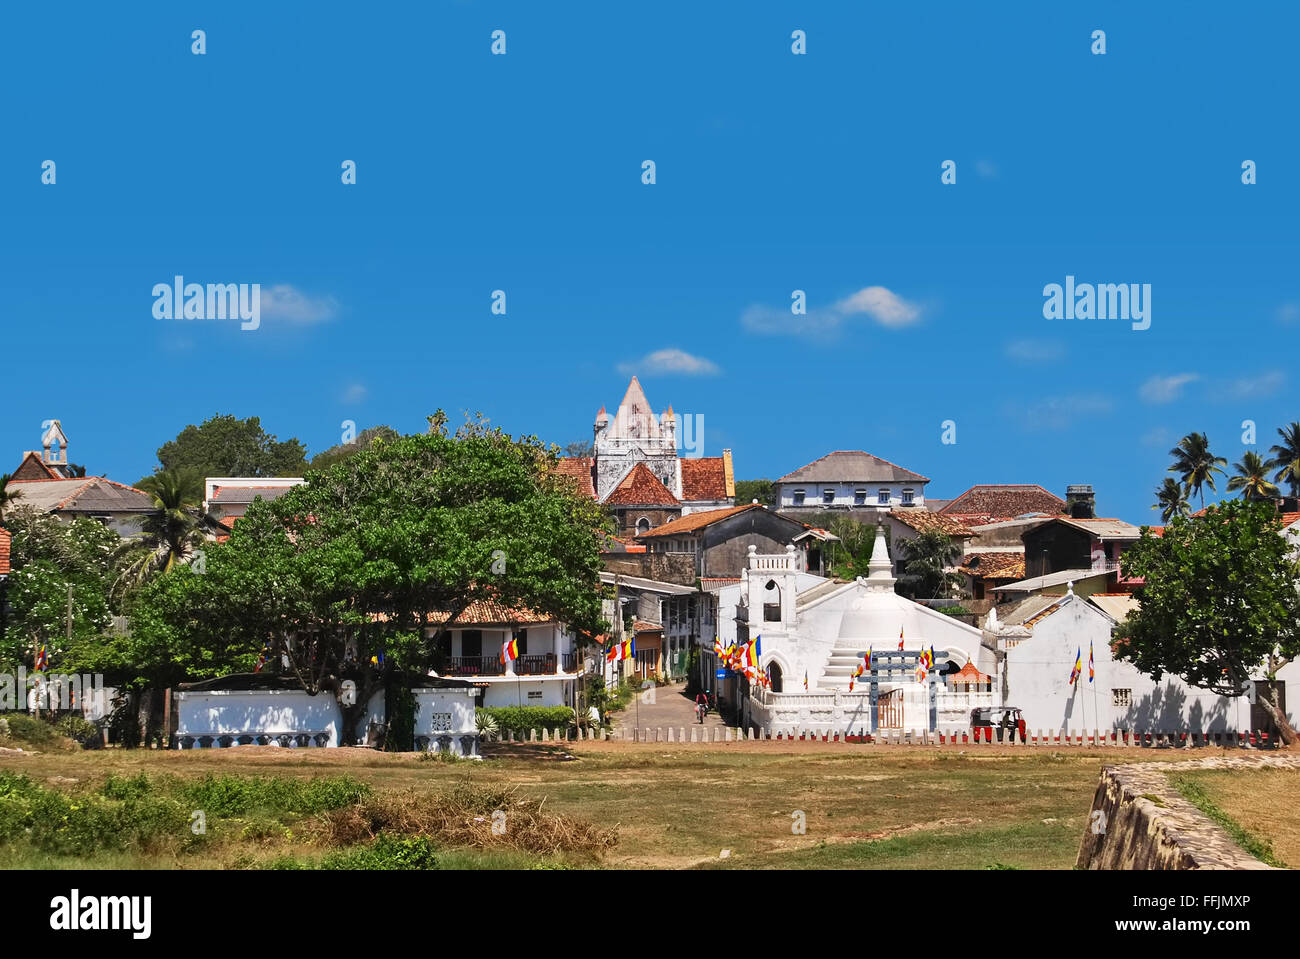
{"points": [[993, 501], [693, 521], [640, 487], [5, 537], [641, 626], [994, 565], [923, 521], [490, 613], [704, 478], [577, 468]]}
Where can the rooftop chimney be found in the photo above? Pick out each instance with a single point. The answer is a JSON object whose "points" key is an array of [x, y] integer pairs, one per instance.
{"points": [[1080, 501]]}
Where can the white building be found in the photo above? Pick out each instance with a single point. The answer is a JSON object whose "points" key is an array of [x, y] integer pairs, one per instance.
{"points": [[850, 480], [816, 630]]}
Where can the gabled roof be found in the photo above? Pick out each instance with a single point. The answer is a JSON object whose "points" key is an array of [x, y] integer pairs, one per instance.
{"points": [[1005, 501], [88, 494], [852, 466], [923, 521], [693, 522], [704, 479], [33, 466], [578, 469], [640, 487]]}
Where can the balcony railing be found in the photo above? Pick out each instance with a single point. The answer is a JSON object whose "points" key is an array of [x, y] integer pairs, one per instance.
{"points": [[544, 664]]}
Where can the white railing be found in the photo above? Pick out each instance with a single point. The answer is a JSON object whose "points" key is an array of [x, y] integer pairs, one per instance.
{"points": [[773, 561]]}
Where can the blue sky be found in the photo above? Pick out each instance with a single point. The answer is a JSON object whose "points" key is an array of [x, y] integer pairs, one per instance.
{"points": [[775, 172]]}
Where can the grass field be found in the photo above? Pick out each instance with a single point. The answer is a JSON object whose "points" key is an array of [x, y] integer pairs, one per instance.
{"points": [[862, 806], [1259, 806]]}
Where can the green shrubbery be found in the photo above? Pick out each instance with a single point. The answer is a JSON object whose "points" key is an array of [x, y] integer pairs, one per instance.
{"points": [[30, 730], [520, 719], [234, 795], [79, 729]]}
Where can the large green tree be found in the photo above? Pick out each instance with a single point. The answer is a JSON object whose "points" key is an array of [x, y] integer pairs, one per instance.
{"points": [[50, 558], [370, 553], [760, 489], [225, 446], [1220, 601], [170, 533], [9, 496], [1195, 464], [363, 440]]}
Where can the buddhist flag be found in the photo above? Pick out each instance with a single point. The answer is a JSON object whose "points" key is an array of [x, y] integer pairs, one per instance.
{"points": [[751, 653], [1078, 666], [900, 637], [629, 649], [805, 680], [42, 659], [717, 648], [1092, 673], [613, 655], [932, 656], [851, 681], [509, 651], [868, 657]]}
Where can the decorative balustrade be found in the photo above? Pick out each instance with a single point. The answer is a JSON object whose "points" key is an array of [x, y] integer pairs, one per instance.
{"points": [[542, 664]]}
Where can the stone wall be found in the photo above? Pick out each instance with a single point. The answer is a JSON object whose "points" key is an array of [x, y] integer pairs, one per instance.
{"points": [[678, 568], [1140, 821]]}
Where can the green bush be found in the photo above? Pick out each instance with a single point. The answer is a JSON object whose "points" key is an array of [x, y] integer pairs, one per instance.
{"points": [[520, 719], [80, 729], [81, 825], [386, 852], [30, 730], [232, 795]]}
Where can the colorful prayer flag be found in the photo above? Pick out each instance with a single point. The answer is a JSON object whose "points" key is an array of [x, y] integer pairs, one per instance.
{"points": [[42, 660], [1092, 673], [805, 680], [900, 637], [1078, 666], [509, 651]]}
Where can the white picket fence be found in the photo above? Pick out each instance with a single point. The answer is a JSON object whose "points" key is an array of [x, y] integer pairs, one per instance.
{"points": [[984, 736]]}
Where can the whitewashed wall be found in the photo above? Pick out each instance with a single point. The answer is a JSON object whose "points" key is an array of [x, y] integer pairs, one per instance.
{"points": [[528, 692], [262, 712]]}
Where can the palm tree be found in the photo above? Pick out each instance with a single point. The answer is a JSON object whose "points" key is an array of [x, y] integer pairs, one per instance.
{"points": [[1287, 457], [930, 557], [1252, 477], [1195, 464], [171, 532], [1171, 500], [7, 496]]}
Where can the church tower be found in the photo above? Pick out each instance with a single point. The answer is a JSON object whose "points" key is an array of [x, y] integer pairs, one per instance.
{"points": [[635, 435]]}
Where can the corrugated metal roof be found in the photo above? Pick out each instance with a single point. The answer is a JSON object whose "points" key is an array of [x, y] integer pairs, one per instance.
{"points": [[89, 494], [1115, 605]]}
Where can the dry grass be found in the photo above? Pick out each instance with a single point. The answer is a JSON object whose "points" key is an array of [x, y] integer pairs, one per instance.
{"points": [[1262, 801], [465, 817]]}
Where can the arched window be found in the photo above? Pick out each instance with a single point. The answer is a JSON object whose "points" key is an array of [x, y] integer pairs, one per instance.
{"points": [[772, 603], [774, 676], [642, 526]]}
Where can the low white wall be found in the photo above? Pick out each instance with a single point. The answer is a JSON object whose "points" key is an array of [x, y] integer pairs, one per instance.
{"points": [[444, 721], [284, 717], [546, 692]]}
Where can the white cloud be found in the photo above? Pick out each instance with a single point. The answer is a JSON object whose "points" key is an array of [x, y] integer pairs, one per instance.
{"points": [[880, 304], [1165, 389], [1253, 387], [1034, 351], [354, 393], [285, 302], [1059, 412], [670, 361]]}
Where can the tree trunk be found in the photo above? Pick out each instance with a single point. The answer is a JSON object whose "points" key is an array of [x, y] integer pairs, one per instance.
{"points": [[144, 715], [1270, 703]]}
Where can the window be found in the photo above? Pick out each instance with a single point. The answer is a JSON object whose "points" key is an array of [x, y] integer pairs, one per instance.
{"points": [[828, 496], [883, 497], [798, 497], [471, 642], [907, 497], [859, 497], [642, 526], [1121, 698]]}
